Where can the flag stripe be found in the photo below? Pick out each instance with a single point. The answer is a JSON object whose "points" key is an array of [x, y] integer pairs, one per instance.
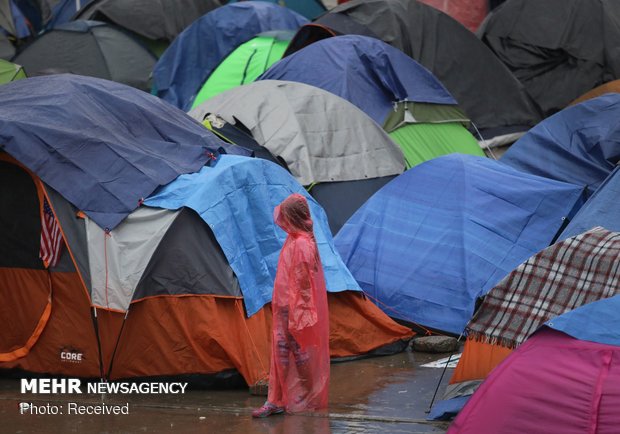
{"points": [[51, 237]]}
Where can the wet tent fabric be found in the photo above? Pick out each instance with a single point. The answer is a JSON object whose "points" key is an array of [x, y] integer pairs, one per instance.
{"points": [[245, 64], [10, 72], [558, 49], [560, 278], [594, 322], [486, 90], [442, 234], [580, 144], [102, 137], [601, 209], [183, 68], [425, 131], [364, 71], [308, 8], [552, 383], [187, 317], [151, 19], [564, 276], [252, 248], [90, 48], [320, 136]]}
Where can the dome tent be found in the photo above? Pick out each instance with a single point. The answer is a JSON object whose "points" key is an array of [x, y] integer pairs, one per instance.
{"points": [[565, 378], [328, 144], [172, 270], [394, 90], [244, 64], [183, 69], [442, 234], [89, 48], [155, 23], [486, 90]]}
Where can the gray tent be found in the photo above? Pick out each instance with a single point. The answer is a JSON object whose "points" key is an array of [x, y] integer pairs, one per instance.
{"points": [[153, 20], [559, 49], [89, 48], [323, 139]]}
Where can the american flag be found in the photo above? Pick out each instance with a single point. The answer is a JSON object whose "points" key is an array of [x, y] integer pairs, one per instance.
{"points": [[51, 237]]}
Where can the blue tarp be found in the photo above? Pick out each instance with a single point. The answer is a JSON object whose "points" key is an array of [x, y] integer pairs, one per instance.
{"points": [[580, 144], [595, 322], [445, 232], [601, 209], [198, 50], [448, 408], [365, 71], [308, 8], [236, 198], [100, 144]]}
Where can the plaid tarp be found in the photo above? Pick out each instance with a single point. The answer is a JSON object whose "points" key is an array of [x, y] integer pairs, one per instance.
{"points": [[564, 276]]}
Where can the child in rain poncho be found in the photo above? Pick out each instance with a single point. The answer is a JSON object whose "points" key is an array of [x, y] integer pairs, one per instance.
{"points": [[299, 373]]}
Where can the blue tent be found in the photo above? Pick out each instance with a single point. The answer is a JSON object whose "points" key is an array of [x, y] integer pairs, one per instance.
{"points": [[199, 49], [236, 198], [580, 144], [308, 8], [365, 71], [595, 322], [101, 144], [440, 235], [601, 209]]}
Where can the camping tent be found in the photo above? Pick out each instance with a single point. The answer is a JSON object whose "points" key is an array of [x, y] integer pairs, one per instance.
{"points": [[562, 277], [495, 101], [565, 378], [601, 209], [442, 234], [579, 145], [609, 87], [10, 72], [245, 64], [327, 143], [161, 292], [394, 90], [559, 49], [308, 8], [198, 50], [156, 23], [89, 48]]}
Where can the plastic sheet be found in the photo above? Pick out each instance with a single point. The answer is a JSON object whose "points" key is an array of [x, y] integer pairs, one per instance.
{"points": [[299, 374]]}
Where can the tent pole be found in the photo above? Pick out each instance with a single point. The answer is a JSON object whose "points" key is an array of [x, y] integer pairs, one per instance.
{"points": [[118, 339], [96, 325], [443, 372]]}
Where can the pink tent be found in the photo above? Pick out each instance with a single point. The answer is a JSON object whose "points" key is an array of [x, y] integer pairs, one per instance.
{"points": [[553, 383]]}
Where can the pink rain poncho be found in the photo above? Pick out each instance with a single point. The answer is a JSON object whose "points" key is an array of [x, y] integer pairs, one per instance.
{"points": [[299, 375]]}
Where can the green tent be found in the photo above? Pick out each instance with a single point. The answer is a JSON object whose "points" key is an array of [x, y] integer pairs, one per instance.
{"points": [[425, 131], [245, 64], [10, 72]]}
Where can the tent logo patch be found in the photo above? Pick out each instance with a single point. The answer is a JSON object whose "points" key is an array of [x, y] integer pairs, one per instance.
{"points": [[71, 355]]}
